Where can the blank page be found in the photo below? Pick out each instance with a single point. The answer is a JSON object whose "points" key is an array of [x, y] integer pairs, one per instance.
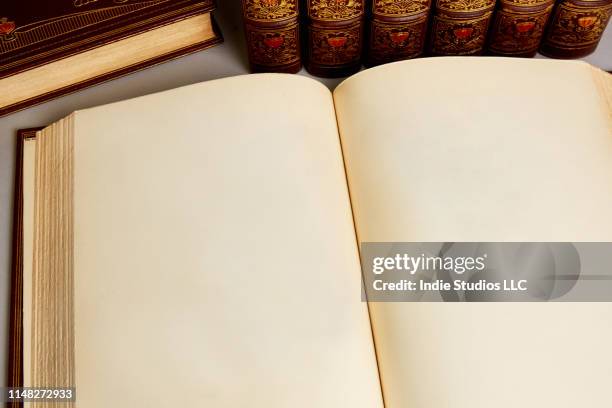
{"points": [[215, 256], [483, 149]]}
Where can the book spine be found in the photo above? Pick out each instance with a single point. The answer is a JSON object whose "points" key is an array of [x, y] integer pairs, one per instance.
{"points": [[576, 27], [397, 30], [273, 35], [518, 27], [460, 27], [335, 36]]}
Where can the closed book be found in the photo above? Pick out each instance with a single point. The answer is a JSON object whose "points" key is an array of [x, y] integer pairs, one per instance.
{"points": [[397, 30], [576, 28], [48, 49], [273, 35], [335, 36], [460, 27], [518, 26]]}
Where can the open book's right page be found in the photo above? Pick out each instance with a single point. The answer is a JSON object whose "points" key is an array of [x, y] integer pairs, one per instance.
{"points": [[460, 149]]}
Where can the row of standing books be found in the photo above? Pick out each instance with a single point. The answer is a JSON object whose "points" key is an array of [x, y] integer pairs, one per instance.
{"points": [[334, 37]]}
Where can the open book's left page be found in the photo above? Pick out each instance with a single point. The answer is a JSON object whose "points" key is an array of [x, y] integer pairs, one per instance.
{"points": [[215, 261]]}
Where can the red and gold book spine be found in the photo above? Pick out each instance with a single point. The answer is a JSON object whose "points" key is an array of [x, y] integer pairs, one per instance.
{"points": [[273, 35], [575, 28], [335, 36], [397, 31], [518, 27], [460, 27]]}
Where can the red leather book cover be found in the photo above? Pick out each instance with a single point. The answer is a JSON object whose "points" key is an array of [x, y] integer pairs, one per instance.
{"points": [[518, 27], [273, 35], [397, 30], [460, 27], [335, 36], [576, 28]]}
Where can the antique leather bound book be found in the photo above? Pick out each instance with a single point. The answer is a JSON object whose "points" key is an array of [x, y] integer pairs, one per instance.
{"points": [[16, 340], [48, 49], [576, 27], [459, 27], [273, 35], [397, 31], [199, 247], [335, 36], [518, 26]]}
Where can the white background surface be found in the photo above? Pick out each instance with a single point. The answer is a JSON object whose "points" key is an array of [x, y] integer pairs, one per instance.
{"points": [[228, 59]]}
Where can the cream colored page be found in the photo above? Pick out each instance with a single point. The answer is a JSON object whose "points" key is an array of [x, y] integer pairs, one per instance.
{"points": [[459, 149], [216, 263], [29, 155]]}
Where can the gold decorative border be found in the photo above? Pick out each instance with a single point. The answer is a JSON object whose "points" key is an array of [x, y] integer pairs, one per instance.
{"points": [[78, 44], [524, 3], [286, 10], [67, 25], [464, 6], [403, 8], [352, 9]]}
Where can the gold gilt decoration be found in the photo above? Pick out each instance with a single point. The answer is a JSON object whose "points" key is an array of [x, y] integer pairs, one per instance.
{"points": [[463, 6], [274, 46], [523, 3], [28, 35], [273, 35], [331, 10], [402, 8], [335, 47], [269, 10], [578, 26], [393, 41], [459, 37], [516, 33]]}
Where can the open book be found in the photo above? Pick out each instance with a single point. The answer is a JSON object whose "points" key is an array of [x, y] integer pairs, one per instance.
{"points": [[199, 247]]}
